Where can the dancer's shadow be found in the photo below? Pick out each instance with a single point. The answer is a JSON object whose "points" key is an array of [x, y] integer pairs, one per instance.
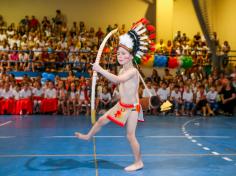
{"points": [[52, 164]]}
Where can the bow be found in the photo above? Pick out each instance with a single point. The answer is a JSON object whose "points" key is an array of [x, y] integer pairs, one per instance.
{"points": [[94, 79]]}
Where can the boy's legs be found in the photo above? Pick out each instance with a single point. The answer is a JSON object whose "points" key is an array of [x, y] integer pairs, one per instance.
{"points": [[176, 105], [131, 128], [96, 127], [74, 106], [35, 106]]}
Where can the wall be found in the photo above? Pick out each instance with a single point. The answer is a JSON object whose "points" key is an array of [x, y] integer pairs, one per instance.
{"points": [[94, 12], [175, 15], [184, 18], [225, 24], [164, 19], [179, 15], [171, 15]]}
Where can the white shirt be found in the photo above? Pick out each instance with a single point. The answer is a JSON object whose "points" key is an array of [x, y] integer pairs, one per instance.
{"points": [[62, 93], [81, 94], [37, 51], [41, 43], [188, 96], [72, 95], [99, 90], [146, 92], [24, 45], [12, 32], [11, 42], [163, 94], [106, 96], [3, 37], [23, 57], [1, 92], [211, 96], [37, 92], [7, 95], [25, 94], [175, 95], [115, 95], [16, 95], [50, 93], [194, 88], [198, 95]]}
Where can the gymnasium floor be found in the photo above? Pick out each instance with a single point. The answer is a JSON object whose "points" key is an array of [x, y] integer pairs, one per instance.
{"points": [[45, 145]]}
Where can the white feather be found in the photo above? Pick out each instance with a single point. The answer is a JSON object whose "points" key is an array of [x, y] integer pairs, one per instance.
{"points": [[141, 31], [136, 29], [126, 40], [143, 48], [144, 37], [143, 43], [140, 53]]}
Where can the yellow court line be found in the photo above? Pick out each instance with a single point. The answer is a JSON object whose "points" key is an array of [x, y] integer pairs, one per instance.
{"points": [[95, 156]]}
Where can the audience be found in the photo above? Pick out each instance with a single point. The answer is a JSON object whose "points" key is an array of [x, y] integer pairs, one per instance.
{"points": [[50, 45]]}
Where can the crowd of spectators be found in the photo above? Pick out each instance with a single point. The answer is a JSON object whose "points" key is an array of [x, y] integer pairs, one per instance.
{"points": [[195, 91], [195, 47], [50, 45], [191, 92]]}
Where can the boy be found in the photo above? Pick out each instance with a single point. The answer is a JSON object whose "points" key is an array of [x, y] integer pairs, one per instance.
{"points": [[188, 101], [131, 46], [176, 98]]}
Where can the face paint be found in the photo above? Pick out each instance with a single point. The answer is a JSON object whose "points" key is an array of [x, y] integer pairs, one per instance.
{"points": [[123, 56]]}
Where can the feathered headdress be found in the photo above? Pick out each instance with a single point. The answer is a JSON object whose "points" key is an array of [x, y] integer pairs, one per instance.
{"points": [[139, 40]]}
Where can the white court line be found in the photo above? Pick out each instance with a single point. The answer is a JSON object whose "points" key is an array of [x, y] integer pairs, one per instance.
{"points": [[7, 137], [110, 136], [76, 137], [215, 153], [186, 123], [58, 137], [5, 123], [115, 155], [190, 137], [206, 148], [227, 159]]}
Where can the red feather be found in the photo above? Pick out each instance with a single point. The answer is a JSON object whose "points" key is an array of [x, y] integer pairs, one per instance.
{"points": [[152, 49], [148, 56], [145, 59], [135, 24], [150, 28], [152, 44], [144, 21], [152, 36]]}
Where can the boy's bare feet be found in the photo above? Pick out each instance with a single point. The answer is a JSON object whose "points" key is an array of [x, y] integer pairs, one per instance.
{"points": [[134, 167], [81, 136]]}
